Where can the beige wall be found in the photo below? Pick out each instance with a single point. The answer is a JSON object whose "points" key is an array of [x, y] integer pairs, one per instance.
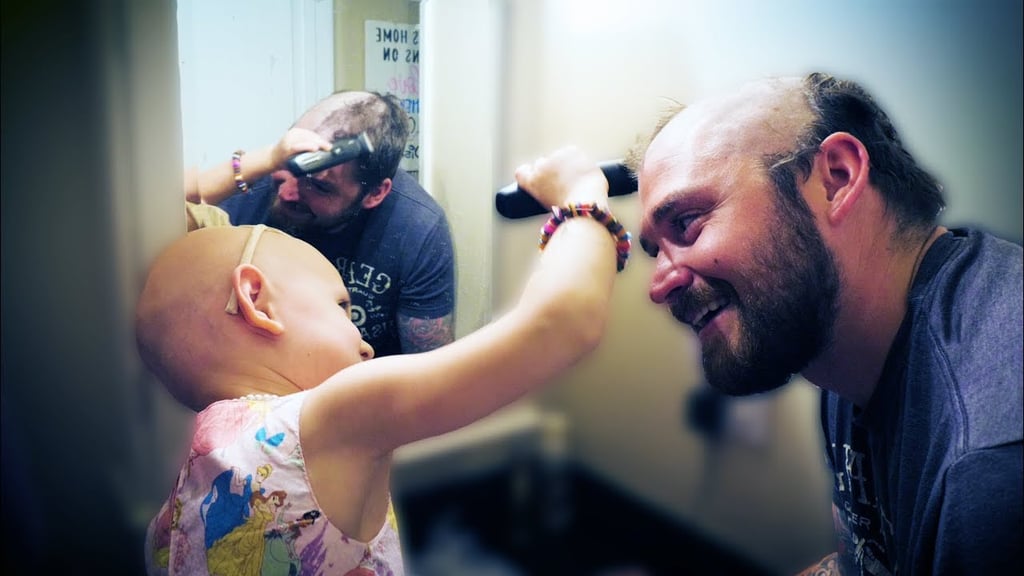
{"points": [[349, 16]]}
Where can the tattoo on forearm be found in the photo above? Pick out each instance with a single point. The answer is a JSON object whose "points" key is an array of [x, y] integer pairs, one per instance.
{"points": [[827, 567], [422, 334]]}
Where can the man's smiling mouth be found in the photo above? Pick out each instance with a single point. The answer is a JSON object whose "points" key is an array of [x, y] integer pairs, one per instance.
{"points": [[708, 312], [700, 317]]}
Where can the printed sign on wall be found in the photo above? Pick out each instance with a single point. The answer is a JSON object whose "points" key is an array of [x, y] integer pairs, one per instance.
{"points": [[393, 67]]}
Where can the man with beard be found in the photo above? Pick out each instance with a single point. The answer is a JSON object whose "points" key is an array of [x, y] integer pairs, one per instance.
{"points": [[388, 238], [794, 233]]}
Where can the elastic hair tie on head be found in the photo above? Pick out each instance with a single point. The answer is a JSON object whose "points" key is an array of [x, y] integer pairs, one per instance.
{"points": [[247, 253]]}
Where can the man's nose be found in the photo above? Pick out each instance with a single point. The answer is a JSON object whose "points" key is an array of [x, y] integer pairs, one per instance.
{"points": [[670, 274], [288, 189]]}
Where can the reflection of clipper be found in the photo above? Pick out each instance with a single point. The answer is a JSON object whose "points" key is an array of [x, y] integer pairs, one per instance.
{"points": [[341, 151]]}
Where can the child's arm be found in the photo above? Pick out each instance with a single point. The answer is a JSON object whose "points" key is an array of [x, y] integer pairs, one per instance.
{"points": [[217, 184], [379, 405]]}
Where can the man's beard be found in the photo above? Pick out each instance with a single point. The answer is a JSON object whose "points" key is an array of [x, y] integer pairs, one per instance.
{"points": [[788, 314], [278, 218]]}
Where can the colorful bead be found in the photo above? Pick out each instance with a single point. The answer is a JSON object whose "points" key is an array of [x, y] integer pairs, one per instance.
{"points": [[236, 166], [618, 231]]}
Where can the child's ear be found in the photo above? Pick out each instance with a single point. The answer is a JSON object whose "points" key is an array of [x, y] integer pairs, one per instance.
{"points": [[255, 300]]}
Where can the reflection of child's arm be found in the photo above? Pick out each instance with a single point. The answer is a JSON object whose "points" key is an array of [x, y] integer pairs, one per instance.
{"points": [[391, 401], [217, 184]]}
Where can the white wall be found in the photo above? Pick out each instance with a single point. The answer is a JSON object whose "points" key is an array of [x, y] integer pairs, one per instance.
{"points": [[248, 70], [593, 73]]}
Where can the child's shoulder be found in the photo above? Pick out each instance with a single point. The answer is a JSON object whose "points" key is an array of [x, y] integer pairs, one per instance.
{"points": [[255, 416]]}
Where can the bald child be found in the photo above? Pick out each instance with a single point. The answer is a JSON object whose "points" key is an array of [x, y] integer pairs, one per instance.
{"points": [[290, 463]]}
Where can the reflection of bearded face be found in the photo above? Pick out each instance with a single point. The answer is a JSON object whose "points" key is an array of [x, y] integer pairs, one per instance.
{"points": [[786, 316], [296, 218]]}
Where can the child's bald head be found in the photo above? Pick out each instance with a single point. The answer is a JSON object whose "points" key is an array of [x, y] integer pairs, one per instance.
{"points": [[191, 328]]}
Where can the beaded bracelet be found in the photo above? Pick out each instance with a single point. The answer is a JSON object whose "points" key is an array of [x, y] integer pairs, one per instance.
{"points": [[236, 165], [591, 210]]}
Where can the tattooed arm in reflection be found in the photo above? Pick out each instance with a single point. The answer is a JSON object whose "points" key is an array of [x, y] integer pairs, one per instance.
{"points": [[836, 563], [422, 334], [826, 567]]}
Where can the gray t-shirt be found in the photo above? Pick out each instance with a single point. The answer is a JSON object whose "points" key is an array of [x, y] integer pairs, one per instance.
{"points": [[928, 476]]}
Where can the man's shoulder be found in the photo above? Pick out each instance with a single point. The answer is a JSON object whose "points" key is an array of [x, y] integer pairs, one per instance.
{"points": [[970, 332], [974, 277], [408, 221], [411, 196]]}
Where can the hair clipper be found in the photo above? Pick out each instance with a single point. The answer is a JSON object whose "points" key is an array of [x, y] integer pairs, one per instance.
{"points": [[341, 151], [512, 202]]}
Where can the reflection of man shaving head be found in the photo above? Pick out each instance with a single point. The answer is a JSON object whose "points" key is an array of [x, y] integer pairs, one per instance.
{"points": [[365, 213], [332, 199]]}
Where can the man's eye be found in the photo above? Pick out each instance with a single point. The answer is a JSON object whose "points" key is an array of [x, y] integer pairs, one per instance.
{"points": [[320, 187], [681, 223], [686, 228]]}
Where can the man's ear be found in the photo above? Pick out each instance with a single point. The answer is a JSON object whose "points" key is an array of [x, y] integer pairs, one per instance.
{"points": [[374, 198], [255, 300], [845, 169]]}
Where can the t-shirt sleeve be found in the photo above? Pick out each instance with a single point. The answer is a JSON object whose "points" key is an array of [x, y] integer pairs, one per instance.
{"points": [[428, 288], [981, 526]]}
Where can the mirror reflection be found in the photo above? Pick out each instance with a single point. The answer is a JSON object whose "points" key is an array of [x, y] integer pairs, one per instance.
{"points": [[388, 237]]}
